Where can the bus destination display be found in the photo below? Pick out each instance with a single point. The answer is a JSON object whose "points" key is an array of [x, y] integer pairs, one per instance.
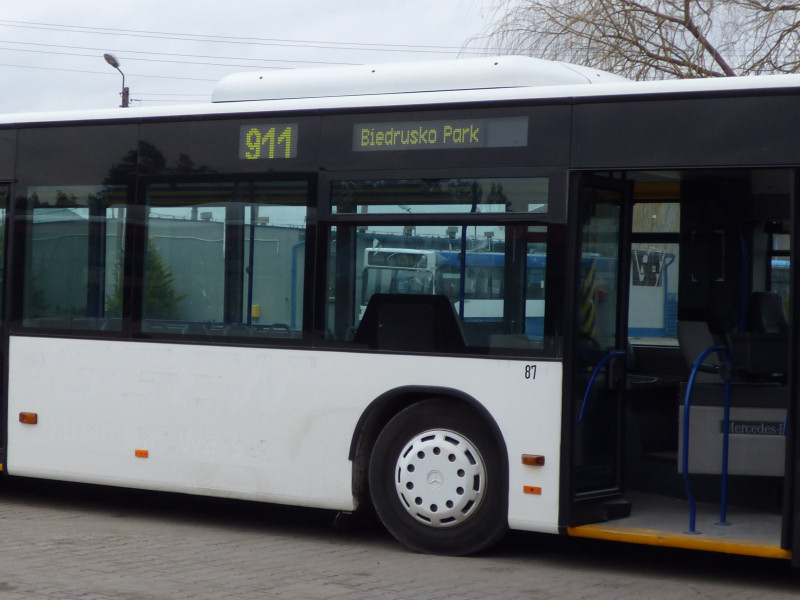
{"points": [[268, 142], [442, 134]]}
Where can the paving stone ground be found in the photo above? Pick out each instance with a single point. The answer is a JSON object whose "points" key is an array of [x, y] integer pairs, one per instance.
{"points": [[74, 542]]}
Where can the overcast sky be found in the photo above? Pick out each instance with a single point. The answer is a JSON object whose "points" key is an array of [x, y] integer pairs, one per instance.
{"points": [[174, 51]]}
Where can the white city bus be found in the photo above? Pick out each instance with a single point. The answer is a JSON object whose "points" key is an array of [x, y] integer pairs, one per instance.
{"points": [[183, 289]]}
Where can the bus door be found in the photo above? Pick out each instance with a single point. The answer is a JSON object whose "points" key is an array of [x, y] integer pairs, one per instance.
{"points": [[598, 350]]}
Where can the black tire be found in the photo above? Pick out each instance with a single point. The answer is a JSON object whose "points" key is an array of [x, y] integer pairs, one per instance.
{"points": [[437, 480]]}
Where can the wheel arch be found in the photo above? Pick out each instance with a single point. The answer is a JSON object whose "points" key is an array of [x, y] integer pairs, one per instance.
{"points": [[381, 410]]}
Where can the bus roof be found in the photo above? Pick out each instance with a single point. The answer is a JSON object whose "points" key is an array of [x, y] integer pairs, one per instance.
{"points": [[372, 88], [404, 78]]}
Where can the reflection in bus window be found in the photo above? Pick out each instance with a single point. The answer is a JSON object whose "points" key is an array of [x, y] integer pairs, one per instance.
{"points": [[225, 258], [495, 303], [399, 281], [75, 244]]}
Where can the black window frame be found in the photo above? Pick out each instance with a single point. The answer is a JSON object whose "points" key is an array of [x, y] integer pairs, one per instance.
{"points": [[136, 240], [554, 219]]}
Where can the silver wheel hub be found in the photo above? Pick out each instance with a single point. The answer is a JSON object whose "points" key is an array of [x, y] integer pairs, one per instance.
{"points": [[440, 478]]}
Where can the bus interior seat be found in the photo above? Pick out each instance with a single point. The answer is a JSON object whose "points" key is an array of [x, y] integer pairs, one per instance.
{"points": [[483, 333], [762, 350], [410, 322], [87, 323], [636, 378], [515, 341], [755, 357], [49, 322], [279, 330], [237, 330], [275, 330], [694, 338], [195, 329], [154, 327], [111, 324], [766, 314]]}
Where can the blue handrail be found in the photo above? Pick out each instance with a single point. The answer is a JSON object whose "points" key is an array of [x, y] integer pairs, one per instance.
{"points": [[725, 435], [595, 373]]}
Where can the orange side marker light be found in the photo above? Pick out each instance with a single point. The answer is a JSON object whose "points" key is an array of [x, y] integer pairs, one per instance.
{"points": [[141, 453], [28, 418], [531, 489], [533, 460]]}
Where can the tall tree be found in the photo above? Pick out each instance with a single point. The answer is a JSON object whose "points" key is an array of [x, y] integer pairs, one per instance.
{"points": [[654, 39]]}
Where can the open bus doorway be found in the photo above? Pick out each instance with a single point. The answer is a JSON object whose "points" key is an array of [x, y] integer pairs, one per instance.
{"points": [[709, 259]]}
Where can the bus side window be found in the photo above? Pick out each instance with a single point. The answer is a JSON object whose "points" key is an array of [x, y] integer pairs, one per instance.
{"points": [[225, 259], [494, 304]]}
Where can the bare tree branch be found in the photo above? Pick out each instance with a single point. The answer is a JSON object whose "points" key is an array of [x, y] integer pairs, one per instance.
{"points": [[653, 39]]}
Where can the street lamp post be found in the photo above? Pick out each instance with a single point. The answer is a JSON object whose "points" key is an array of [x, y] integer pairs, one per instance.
{"points": [[112, 60]]}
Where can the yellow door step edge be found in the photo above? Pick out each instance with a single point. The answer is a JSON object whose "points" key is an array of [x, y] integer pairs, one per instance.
{"points": [[667, 539]]}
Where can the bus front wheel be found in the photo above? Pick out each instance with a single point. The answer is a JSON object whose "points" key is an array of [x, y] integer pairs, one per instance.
{"points": [[436, 480]]}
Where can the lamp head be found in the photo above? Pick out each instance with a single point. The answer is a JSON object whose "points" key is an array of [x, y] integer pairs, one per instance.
{"points": [[112, 60]]}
